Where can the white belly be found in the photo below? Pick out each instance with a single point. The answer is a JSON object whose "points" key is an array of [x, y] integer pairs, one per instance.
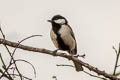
{"points": [[65, 33]]}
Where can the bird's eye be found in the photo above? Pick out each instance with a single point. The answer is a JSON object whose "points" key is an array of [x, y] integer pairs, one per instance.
{"points": [[60, 21]]}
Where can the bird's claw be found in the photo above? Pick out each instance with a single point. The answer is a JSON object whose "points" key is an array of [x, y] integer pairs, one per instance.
{"points": [[69, 57], [83, 56], [77, 55], [55, 51]]}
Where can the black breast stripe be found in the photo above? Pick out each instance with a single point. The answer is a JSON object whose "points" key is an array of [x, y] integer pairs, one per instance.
{"points": [[60, 42]]}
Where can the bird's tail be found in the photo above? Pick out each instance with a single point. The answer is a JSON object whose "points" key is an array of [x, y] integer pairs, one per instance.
{"points": [[78, 66]]}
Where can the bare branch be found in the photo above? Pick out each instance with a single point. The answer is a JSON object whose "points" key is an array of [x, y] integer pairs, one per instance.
{"points": [[118, 65], [22, 76], [28, 63], [5, 75], [45, 51], [117, 58], [2, 32], [83, 71], [54, 77], [24, 40], [115, 50], [5, 69], [65, 65], [117, 74], [12, 59], [94, 75]]}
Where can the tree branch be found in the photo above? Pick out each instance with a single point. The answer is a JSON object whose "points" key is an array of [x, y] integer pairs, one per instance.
{"points": [[64, 55], [117, 58], [94, 75], [4, 66], [83, 71]]}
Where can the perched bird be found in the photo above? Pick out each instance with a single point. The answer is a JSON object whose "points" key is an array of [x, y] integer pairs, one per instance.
{"points": [[63, 37]]}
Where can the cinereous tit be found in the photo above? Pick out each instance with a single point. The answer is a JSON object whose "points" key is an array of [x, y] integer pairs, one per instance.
{"points": [[63, 37]]}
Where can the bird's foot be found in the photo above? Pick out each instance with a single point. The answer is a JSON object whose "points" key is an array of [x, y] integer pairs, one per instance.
{"points": [[77, 55], [69, 57], [55, 51], [83, 55]]}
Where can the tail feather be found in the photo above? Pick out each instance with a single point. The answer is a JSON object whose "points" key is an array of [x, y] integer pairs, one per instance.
{"points": [[78, 66]]}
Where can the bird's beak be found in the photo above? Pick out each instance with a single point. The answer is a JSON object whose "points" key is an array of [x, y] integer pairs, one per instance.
{"points": [[49, 20]]}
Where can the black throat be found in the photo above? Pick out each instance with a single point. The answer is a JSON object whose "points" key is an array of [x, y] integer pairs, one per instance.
{"points": [[56, 27]]}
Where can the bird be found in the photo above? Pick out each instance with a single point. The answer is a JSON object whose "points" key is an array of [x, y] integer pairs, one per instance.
{"points": [[63, 37]]}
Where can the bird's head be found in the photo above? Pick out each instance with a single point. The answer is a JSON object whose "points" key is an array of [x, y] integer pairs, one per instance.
{"points": [[58, 19]]}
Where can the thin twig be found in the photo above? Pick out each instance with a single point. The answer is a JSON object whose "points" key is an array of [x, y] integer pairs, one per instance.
{"points": [[22, 76], [12, 59], [4, 68], [28, 63], [17, 47], [10, 54], [83, 71], [118, 65], [24, 40], [117, 73], [2, 32], [54, 77], [5, 75], [94, 75], [117, 58], [65, 65], [115, 50]]}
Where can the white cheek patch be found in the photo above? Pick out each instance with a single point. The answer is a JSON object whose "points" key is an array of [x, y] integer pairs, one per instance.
{"points": [[60, 21]]}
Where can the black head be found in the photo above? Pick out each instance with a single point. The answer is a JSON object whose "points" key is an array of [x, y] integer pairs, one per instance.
{"points": [[58, 19]]}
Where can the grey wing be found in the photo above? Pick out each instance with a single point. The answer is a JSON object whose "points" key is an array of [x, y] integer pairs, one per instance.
{"points": [[74, 51], [72, 33]]}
